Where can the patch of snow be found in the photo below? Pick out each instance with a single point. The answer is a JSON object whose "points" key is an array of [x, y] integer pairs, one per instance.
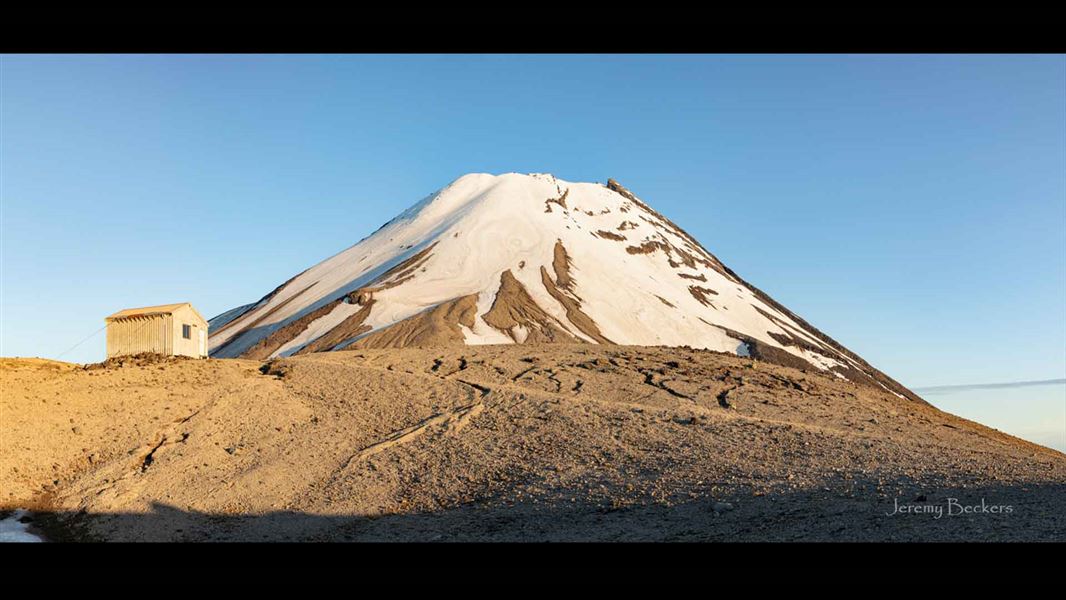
{"points": [[482, 333], [12, 529], [820, 361], [520, 333], [318, 328]]}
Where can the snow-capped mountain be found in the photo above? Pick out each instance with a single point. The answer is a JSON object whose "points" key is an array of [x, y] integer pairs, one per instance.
{"points": [[529, 259]]}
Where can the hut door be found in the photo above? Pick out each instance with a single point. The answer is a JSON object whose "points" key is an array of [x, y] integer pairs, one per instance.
{"points": [[203, 343]]}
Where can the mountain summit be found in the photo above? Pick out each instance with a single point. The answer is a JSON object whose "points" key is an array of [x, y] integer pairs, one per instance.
{"points": [[519, 259]]}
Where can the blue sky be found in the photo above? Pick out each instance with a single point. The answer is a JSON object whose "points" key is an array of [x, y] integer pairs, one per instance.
{"points": [[913, 207]]}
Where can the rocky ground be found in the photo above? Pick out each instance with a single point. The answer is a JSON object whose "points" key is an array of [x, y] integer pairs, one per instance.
{"points": [[530, 443]]}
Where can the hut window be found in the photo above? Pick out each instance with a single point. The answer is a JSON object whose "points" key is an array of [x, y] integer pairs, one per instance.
{"points": [[186, 331]]}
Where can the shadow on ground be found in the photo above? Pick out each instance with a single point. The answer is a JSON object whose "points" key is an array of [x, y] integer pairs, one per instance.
{"points": [[1025, 513]]}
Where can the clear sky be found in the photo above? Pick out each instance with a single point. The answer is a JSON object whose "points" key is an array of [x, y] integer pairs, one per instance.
{"points": [[912, 207]]}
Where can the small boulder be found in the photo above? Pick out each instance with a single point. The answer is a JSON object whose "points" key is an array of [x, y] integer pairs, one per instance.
{"points": [[721, 507]]}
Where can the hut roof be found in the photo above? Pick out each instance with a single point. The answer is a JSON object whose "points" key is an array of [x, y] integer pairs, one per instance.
{"points": [[144, 311]]}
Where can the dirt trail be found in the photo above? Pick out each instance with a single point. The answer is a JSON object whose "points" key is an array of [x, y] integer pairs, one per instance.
{"points": [[543, 442]]}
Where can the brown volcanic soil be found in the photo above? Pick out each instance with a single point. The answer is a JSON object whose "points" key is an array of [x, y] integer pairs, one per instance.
{"points": [[543, 442]]}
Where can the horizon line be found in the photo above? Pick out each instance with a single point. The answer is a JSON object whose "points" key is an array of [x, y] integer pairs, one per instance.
{"points": [[933, 389]]}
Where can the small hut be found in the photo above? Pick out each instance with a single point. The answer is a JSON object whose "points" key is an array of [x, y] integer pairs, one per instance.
{"points": [[170, 329]]}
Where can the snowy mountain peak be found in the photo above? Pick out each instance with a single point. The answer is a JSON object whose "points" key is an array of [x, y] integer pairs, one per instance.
{"points": [[512, 258]]}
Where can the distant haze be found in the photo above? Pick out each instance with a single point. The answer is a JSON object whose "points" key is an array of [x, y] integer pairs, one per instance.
{"points": [[948, 389], [1031, 410]]}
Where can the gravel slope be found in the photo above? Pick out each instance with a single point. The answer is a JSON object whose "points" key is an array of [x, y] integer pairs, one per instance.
{"points": [[550, 442]]}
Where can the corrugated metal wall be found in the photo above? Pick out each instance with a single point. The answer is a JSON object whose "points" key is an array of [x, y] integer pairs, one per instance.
{"points": [[158, 333], [134, 335]]}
